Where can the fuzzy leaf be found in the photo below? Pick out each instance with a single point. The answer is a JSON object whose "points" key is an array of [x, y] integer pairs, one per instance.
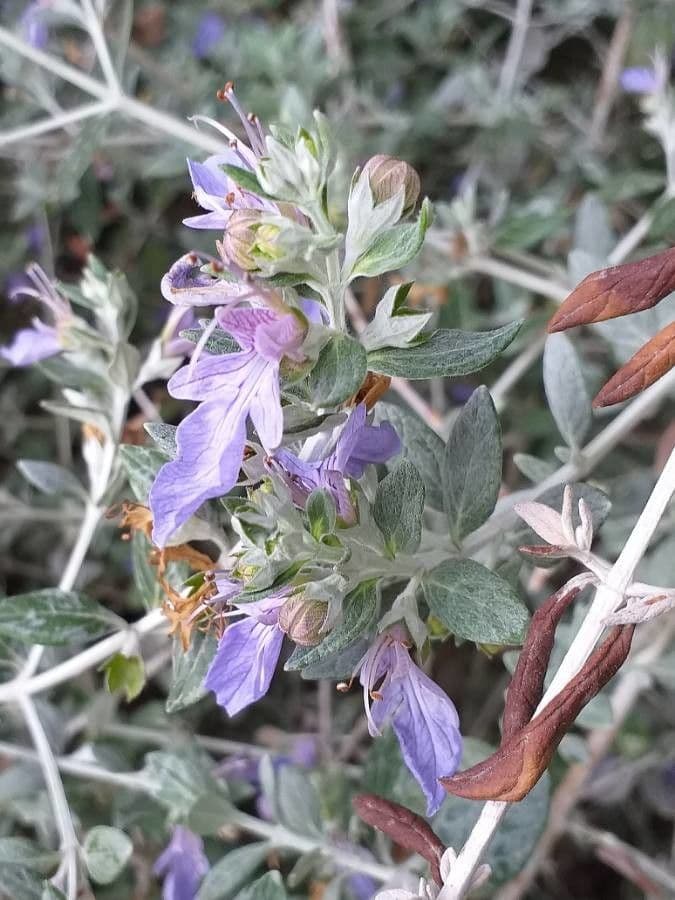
{"points": [[398, 508], [394, 325], [395, 247], [141, 465], [106, 852], [231, 873], [566, 390], [125, 674], [189, 670], [472, 469], [50, 478], [447, 353], [339, 371], [54, 617], [474, 603]]}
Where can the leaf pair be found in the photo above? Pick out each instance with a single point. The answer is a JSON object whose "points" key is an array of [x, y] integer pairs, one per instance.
{"points": [[620, 291], [528, 744]]}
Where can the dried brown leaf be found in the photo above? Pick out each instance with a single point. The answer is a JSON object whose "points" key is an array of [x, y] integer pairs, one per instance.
{"points": [[527, 685], [618, 291], [403, 826], [650, 363], [514, 769]]}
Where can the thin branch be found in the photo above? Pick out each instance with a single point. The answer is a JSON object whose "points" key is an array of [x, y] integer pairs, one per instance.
{"points": [[57, 795], [609, 81], [54, 123], [608, 596], [83, 661], [515, 49], [129, 106], [95, 29]]}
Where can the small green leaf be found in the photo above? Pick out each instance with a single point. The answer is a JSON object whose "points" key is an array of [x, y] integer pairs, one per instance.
{"points": [[53, 617], [358, 615], [472, 471], [297, 802], [164, 437], [106, 852], [189, 670], [447, 353], [218, 343], [18, 851], [339, 371], [49, 892], [395, 247], [566, 390], [398, 508], [50, 478], [125, 674], [178, 780], [421, 445], [245, 179], [231, 873], [141, 465], [394, 325], [269, 887], [474, 603], [321, 513]]}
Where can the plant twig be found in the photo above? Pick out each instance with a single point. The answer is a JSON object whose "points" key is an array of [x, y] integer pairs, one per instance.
{"points": [[609, 80], [57, 795], [608, 597], [515, 49]]}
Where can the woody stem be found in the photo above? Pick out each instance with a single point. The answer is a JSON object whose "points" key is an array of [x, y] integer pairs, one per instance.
{"points": [[608, 597]]}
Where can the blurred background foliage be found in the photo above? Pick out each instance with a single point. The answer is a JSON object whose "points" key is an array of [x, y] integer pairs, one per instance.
{"points": [[542, 165]]}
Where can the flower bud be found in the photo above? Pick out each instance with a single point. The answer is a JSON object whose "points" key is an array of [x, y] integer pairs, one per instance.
{"points": [[302, 620], [248, 241], [388, 175]]}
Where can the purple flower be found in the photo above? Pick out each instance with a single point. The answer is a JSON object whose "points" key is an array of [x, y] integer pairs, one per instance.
{"points": [[33, 28], [247, 655], [358, 444], [423, 717], [640, 80], [232, 388], [182, 865], [41, 340], [218, 193], [209, 33], [185, 284]]}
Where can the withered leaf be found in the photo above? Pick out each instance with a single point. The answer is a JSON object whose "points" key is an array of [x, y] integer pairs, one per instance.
{"points": [[514, 769], [649, 364], [527, 685], [618, 291], [403, 826]]}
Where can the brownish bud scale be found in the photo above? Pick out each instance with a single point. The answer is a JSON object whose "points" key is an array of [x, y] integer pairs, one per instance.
{"points": [[514, 769], [527, 685], [302, 620], [618, 291], [650, 363], [404, 827], [388, 175]]}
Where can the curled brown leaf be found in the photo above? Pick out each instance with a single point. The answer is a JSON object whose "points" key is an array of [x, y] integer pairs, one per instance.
{"points": [[404, 827], [650, 363], [618, 291], [514, 769], [527, 685]]}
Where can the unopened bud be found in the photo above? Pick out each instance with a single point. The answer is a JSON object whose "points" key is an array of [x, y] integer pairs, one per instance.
{"points": [[302, 620], [248, 241], [388, 176]]}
